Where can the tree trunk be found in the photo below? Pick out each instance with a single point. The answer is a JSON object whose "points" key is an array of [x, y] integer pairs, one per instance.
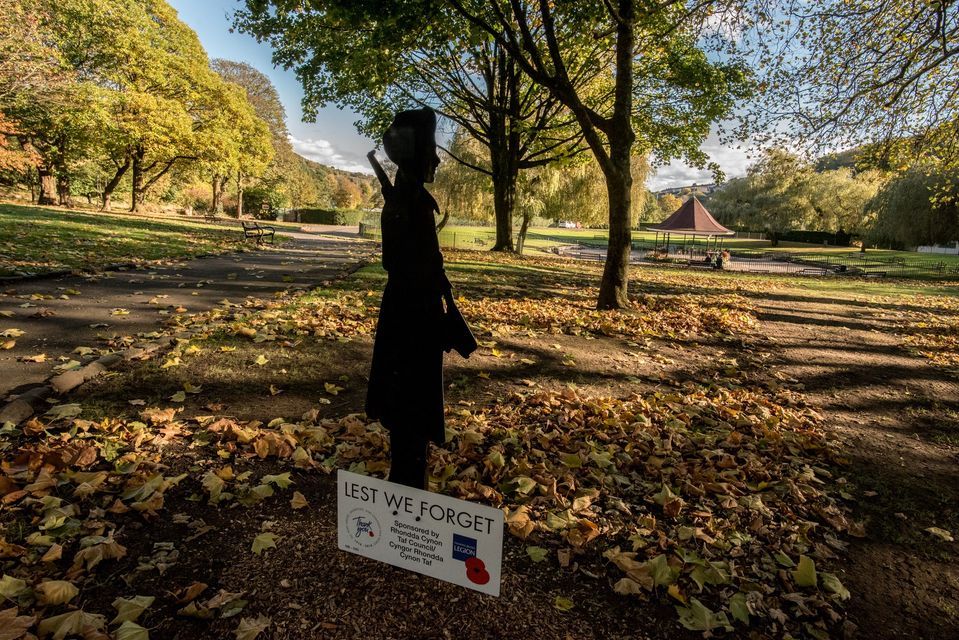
{"points": [[504, 146], [505, 174], [443, 221], [614, 288], [63, 190], [239, 195], [523, 228], [47, 183], [217, 204], [112, 184], [63, 174], [137, 194]]}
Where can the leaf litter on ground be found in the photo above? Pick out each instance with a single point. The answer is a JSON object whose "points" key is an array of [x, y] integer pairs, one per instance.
{"points": [[708, 496]]}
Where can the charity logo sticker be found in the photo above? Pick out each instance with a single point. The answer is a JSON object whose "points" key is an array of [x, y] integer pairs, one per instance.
{"points": [[364, 528]]}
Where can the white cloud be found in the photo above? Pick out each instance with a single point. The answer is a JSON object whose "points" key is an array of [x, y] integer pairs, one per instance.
{"points": [[322, 151], [733, 162]]}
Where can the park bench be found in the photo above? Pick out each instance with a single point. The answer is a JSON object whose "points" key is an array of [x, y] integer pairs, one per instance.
{"points": [[210, 216], [875, 274], [253, 229]]}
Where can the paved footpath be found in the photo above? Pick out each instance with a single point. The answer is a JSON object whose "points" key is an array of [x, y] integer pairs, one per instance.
{"points": [[58, 315]]}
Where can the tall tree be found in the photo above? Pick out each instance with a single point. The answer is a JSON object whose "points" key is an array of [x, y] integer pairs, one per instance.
{"points": [[174, 94], [122, 82], [46, 104], [481, 89], [284, 173], [347, 194], [260, 93], [139, 66], [663, 93], [28, 65], [669, 203], [378, 58], [232, 139]]}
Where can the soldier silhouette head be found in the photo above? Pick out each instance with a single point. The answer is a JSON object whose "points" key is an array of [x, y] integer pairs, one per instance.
{"points": [[410, 142]]}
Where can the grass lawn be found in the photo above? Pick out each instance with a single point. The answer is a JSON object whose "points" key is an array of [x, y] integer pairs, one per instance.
{"points": [[541, 239], [36, 239], [706, 461]]}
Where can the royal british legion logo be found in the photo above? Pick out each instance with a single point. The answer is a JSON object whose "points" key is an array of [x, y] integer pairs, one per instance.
{"points": [[463, 547]]}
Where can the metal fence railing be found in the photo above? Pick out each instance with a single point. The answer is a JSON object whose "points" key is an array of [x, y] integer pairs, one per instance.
{"points": [[853, 263]]}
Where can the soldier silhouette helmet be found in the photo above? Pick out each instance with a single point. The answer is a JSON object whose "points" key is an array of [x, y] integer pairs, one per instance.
{"points": [[410, 142]]}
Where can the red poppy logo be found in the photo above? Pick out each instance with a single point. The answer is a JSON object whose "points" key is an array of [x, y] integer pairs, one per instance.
{"points": [[476, 571]]}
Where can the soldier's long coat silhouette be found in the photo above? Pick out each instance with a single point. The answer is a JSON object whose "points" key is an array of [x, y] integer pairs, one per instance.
{"points": [[414, 327]]}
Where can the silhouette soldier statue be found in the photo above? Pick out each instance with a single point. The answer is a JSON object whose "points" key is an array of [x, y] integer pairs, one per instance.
{"points": [[418, 318]]}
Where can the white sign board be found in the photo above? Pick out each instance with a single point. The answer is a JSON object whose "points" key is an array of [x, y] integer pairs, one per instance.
{"points": [[436, 535]]}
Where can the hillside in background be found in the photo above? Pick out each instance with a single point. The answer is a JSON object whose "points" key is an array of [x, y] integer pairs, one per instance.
{"points": [[341, 189]]}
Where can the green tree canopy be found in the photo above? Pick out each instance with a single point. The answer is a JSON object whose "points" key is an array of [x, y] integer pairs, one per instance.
{"points": [[917, 208], [663, 89], [378, 59], [869, 72], [123, 84], [782, 192]]}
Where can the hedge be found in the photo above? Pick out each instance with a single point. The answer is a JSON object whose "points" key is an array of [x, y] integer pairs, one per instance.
{"points": [[330, 216]]}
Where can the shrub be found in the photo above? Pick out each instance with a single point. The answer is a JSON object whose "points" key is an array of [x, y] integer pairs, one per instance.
{"points": [[263, 203], [196, 197]]}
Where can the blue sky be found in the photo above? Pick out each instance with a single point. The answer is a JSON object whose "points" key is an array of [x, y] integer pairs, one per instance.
{"points": [[332, 139]]}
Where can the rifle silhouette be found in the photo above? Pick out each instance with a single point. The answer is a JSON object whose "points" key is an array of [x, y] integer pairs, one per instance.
{"points": [[387, 187], [384, 179]]}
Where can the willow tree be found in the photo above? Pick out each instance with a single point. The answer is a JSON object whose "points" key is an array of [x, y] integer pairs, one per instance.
{"points": [[377, 58], [921, 206], [460, 191], [664, 87], [575, 191], [781, 191]]}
